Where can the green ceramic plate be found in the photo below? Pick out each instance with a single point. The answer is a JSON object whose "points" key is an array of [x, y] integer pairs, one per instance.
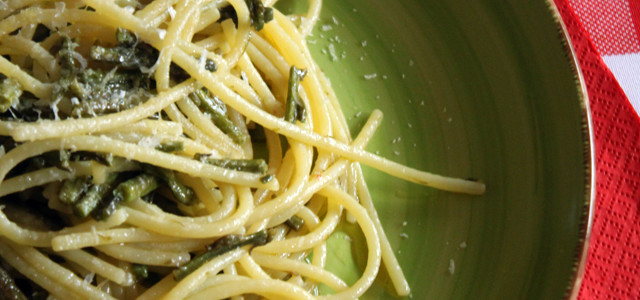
{"points": [[475, 88]]}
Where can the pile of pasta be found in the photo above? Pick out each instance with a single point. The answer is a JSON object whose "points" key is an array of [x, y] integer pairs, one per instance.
{"points": [[177, 149]]}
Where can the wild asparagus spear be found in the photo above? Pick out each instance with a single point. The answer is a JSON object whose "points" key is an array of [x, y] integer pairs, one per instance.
{"points": [[223, 245], [217, 111], [244, 165], [73, 189], [295, 110], [181, 192], [83, 207]]}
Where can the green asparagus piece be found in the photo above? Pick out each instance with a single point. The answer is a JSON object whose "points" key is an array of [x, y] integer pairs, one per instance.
{"points": [[244, 165], [259, 14], [8, 288], [128, 53], [295, 110], [266, 178], [126, 191], [181, 192], [174, 146], [73, 189], [217, 110], [136, 187], [295, 222], [94, 195], [140, 271], [223, 245], [10, 92]]}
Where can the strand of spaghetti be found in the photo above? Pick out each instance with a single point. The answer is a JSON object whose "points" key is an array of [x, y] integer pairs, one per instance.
{"points": [[243, 89], [190, 147], [242, 33], [388, 256], [307, 270], [14, 259], [287, 35], [207, 196], [312, 222], [319, 180], [150, 127], [35, 51], [51, 129], [302, 162], [270, 73], [328, 144], [268, 50], [190, 227], [313, 14], [57, 273], [310, 240], [271, 288], [28, 83], [212, 42], [197, 277], [251, 268], [200, 120], [154, 8], [28, 237], [195, 133], [80, 240], [373, 243], [268, 100], [152, 257], [184, 12], [44, 176], [98, 266], [191, 245], [133, 152], [160, 288], [209, 15]]}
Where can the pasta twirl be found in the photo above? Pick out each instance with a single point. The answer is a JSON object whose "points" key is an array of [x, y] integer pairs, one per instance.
{"points": [[176, 149]]}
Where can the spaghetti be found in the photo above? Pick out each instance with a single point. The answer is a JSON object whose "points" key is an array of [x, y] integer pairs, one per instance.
{"points": [[165, 150]]}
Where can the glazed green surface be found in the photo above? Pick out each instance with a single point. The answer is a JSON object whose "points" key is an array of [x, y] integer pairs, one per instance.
{"points": [[475, 88]]}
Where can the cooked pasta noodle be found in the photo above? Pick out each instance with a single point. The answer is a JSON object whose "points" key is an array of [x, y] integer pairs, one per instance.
{"points": [[176, 149]]}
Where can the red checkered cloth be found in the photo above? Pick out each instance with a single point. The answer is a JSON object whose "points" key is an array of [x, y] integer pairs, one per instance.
{"points": [[605, 35]]}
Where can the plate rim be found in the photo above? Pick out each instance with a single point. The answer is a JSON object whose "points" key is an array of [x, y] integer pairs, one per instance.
{"points": [[582, 248]]}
